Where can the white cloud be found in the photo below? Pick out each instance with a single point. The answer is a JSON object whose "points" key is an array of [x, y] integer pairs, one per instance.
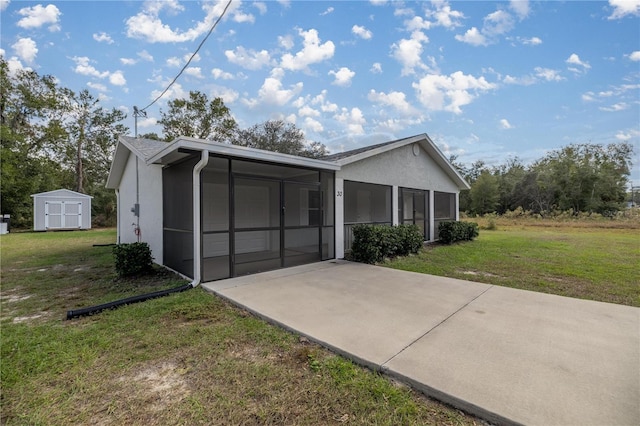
{"points": [[97, 86], [325, 105], [520, 7], [361, 32], [117, 78], [3, 5], [272, 92], [353, 119], [174, 62], [307, 111], [128, 61], [504, 124], [37, 16], [498, 22], [145, 56], [588, 97], [313, 125], [228, 95], [194, 72], [417, 23], [625, 136], [286, 41], [450, 93], [409, 52], [533, 41], [397, 100], [575, 60], [472, 37], [622, 8], [620, 106], [219, 74], [548, 74], [26, 49], [241, 17], [328, 11], [312, 52], [635, 56], [262, 7], [376, 68], [342, 77], [147, 25], [444, 16], [84, 67], [249, 59], [103, 37]]}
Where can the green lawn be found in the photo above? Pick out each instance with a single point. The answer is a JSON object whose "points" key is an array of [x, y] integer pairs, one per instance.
{"points": [[189, 358], [589, 263]]}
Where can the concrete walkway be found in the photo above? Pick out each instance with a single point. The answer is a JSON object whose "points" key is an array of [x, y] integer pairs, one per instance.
{"points": [[509, 356]]}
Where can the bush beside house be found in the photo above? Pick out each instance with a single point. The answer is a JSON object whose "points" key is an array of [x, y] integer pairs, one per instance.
{"points": [[372, 243], [449, 232]]}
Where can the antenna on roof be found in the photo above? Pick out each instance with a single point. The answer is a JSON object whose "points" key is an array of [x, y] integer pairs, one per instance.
{"points": [[137, 113]]}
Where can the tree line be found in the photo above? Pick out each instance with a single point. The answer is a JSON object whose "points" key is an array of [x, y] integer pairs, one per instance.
{"points": [[581, 178], [53, 137]]}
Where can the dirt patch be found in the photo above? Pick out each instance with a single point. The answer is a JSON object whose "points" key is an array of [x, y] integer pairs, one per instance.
{"points": [[158, 386], [481, 274], [29, 318]]}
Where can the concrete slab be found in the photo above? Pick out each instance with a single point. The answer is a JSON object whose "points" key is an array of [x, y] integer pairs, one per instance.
{"points": [[510, 356], [535, 359], [370, 313]]}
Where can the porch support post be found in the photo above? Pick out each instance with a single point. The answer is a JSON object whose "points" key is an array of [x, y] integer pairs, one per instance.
{"points": [[457, 206], [432, 221], [395, 220], [339, 221]]}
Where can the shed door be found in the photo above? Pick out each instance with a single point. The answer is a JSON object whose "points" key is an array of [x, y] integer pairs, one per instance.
{"points": [[61, 215]]}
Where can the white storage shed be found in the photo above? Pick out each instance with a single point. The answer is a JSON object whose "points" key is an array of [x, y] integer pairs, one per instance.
{"points": [[61, 209]]}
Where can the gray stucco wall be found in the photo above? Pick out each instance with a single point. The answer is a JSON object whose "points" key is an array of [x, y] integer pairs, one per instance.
{"points": [[402, 168], [150, 200]]}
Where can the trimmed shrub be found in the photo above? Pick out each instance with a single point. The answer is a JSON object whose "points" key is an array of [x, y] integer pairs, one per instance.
{"points": [[372, 243], [451, 231], [133, 259]]}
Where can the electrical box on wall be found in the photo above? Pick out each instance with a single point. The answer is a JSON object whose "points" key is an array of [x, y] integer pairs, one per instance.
{"points": [[136, 210]]}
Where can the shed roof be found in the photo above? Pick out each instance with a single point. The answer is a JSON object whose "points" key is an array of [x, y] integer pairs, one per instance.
{"points": [[62, 193]]}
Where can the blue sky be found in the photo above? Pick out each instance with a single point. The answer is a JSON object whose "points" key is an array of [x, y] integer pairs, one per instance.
{"points": [[485, 80]]}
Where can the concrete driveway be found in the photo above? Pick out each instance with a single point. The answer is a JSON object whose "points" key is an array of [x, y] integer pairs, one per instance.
{"points": [[509, 356]]}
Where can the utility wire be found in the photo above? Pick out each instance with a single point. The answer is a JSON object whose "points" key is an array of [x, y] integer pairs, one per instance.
{"points": [[192, 56]]}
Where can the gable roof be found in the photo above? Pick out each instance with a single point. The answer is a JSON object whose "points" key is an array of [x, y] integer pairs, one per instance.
{"points": [[158, 152], [423, 140], [62, 193]]}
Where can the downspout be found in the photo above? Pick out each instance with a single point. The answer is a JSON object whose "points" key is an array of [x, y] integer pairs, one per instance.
{"points": [[118, 221], [197, 232]]}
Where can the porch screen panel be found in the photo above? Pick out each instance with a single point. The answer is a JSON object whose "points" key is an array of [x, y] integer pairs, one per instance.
{"points": [[257, 225], [177, 208], [365, 203], [302, 223], [215, 220], [413, 209], [444, 205]]}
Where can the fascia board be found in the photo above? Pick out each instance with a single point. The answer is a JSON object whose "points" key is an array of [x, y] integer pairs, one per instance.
{"points": [[120, 158], [242, 152]]}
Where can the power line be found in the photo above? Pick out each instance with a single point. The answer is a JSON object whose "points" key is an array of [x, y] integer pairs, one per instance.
{"points": [[191, 58]]}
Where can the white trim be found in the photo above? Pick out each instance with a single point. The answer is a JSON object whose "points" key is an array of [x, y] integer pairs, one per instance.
{"points": [[338, 222], [197, 234], [240, 152]]}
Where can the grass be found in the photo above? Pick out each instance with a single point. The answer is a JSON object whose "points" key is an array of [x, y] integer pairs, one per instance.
{"points": [[189, 358], [596, 263]]}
